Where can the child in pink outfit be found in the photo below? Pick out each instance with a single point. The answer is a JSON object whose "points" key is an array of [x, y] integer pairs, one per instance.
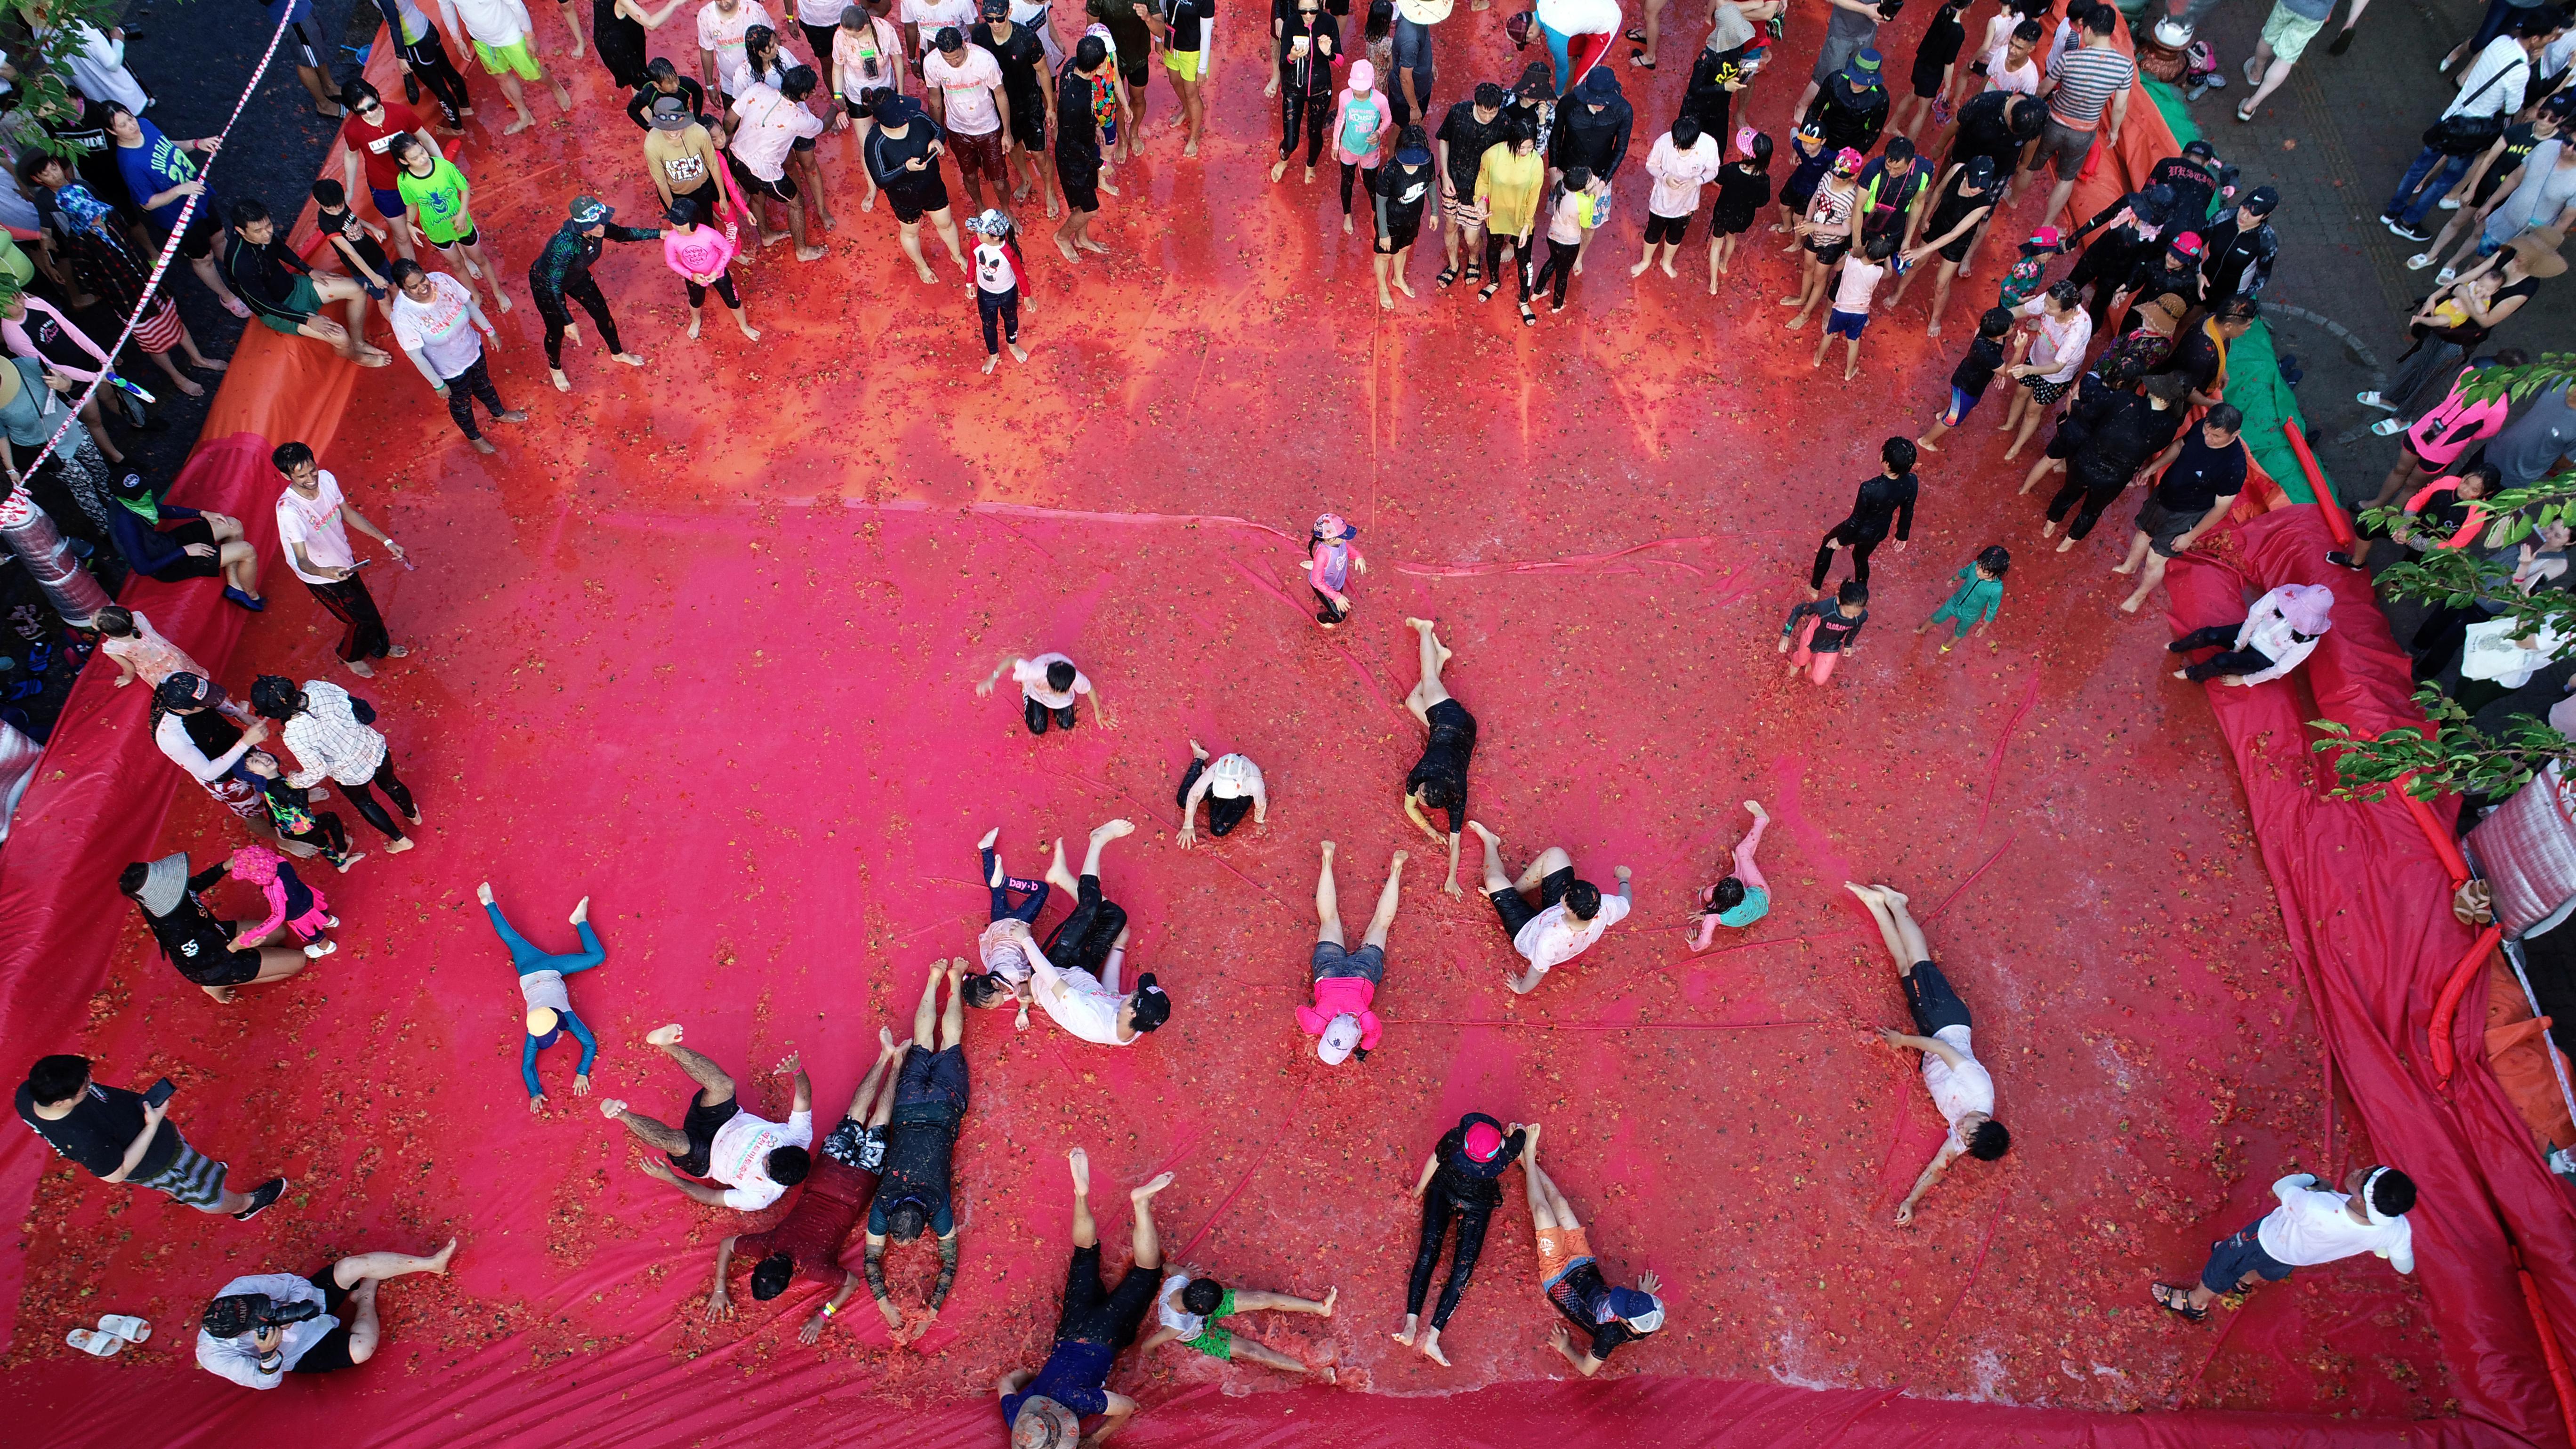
{"points": [[291, 902], [1328, 567], [1743, 897], [1361, 123], [703, 257]]}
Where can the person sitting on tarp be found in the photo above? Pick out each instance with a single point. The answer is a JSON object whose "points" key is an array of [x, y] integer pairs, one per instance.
{"points": [[1045, 1409], [201, 545], [2279, 632], [838, 1185], [1571, 1277], [2313, 1225]]}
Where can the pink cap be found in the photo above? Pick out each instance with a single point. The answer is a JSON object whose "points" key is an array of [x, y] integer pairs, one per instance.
{"points": [[1483, 1141], [2309, 608], [1363, 77]]}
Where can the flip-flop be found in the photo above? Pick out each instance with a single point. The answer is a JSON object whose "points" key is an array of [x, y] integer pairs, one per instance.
{"points": [[2245, 113], [94, 1343], [1637, 34], [1640, 62], [126, 1326]]}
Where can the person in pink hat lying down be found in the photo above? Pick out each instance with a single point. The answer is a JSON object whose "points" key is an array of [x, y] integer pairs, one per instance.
{"points": [[2281, 630]]}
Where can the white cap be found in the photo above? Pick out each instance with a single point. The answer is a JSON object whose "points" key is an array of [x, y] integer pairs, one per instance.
{"points": [[1340, 1035]]}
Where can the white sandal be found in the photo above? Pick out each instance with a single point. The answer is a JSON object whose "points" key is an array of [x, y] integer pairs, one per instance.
{"points": [[94, 1343], [126, 1326]]}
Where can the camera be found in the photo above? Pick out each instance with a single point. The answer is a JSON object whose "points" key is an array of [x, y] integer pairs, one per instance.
{"points": [[240, 1313]]}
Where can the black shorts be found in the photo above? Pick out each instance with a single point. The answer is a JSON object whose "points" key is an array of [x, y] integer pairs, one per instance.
{"points": [[330, 1353], [1957, 251], [2163, 526], [1108, 1317], [818, 39], [1401, 231], [911, 203], [232, 968], [700, 1128], [932, 1088], [1828, 250], [1082, 193], [198, 242], [471, 238], [1135, 71], [1517, 912], [1666, 229], [782, 190], [1028, 122], [190, 566], [1934, 1004], [1926, 80]]}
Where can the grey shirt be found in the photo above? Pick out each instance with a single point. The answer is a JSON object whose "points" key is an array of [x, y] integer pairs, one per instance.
{"points": [[2531, 444]]}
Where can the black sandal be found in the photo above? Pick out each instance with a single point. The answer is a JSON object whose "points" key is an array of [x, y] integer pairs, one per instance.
{"points": [[1475, 272], [1528, 317], [2177, 1301], [1486, 294], [1447, 276]]}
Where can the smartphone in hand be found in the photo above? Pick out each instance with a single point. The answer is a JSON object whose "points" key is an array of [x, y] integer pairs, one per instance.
{"points": [[162, 1091]]}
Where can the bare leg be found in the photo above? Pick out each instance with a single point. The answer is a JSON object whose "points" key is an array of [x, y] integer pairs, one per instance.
{"points": [[2154, 574], [661, 1136], [1909, 935], [952, 1025], [1056, 875], [1117, 957], [1887, 933], [1148, 1245], [926, 1015], [1549, 862], [719, 1087], [360, 1275], [1328, 905], [1430, 691], [1247, 1351], [1541, 1198], [1100, 837], [887, 1054], [1256, 1300], [1387, 897], [1495, 880], [1086, 1233]]}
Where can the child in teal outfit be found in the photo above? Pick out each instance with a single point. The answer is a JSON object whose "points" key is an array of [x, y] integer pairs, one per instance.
{"points": [[1979, 598], [549, 1002], [1743, 897]]}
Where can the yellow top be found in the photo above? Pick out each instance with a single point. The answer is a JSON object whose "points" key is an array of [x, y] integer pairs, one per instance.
{"points": [[1509, 186]]}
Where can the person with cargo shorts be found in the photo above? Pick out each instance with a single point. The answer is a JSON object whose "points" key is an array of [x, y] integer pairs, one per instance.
{"points": [[1345, 981]]}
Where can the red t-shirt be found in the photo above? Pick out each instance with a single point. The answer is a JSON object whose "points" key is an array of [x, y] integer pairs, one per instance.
{"points": [[374, 142], [813, 1231]]}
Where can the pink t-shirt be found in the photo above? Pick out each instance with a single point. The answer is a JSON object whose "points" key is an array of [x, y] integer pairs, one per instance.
{"points": [[1860, 280], [701, 251], [1335, 995]]}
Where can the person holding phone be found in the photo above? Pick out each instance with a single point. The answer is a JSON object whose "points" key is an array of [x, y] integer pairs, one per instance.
{"points": [[313, 523], [126, 1137]]}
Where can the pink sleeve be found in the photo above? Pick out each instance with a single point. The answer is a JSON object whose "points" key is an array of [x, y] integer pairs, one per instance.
{"points": [[1313, 1020], [274, 892], [79, 339], [1370, 1030]]}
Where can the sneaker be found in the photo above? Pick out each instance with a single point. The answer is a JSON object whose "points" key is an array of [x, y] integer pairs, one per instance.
{"points": [[2372, 399], [2421, 236], [320, 949], [331, 921], [2450, 203], [2340, 559], [262, 1198]]}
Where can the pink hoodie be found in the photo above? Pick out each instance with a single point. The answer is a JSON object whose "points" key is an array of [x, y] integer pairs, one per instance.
{"points": [[260, 866]]}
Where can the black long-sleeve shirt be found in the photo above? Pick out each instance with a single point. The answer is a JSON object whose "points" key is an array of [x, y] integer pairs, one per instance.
{"points": [[264, 276], [1468, 1182], [1835, 630], [1586, 137], [639, 107], [566, 260], [2240, 261], [2194, 187], [1880, 500]]}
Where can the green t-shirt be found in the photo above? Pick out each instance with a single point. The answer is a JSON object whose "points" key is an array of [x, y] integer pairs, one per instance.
{"points": [[440, 196]]}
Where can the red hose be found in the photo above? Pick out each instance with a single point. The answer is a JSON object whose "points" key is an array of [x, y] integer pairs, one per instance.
{"points": [[2336, 523], [2444, 847], [2558, 1372], [2448, 1005]]}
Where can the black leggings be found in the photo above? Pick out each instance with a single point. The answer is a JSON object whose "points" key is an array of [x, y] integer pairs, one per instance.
{"points": [[1860, 547], [1368, 174], [362, 624], [2096, 496], [723, 288], [1223, 815], [1494, 245], [462, 390], [1003, 307], [1084, 938], [1557, 270], [2437, 642], [2219, 636], [1316, 109], [550, 305], [1437, 1209], [429, 63], [395, 790]]}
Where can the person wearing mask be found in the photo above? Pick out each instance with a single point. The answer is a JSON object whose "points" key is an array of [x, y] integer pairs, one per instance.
{"points": [[561, 273], [313, 523], [1472, 128], [1570, 916], [2313, 1225], [1402, 195], [756, 1160], [1570, 1278], [329, 731], [123, 1137], [197, 943], [1460, 1182], [1959, 1085]]}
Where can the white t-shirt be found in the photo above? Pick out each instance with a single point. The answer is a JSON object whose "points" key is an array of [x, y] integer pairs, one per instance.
{"points": [[2061, 345], [1000, 948], [440, 329], [739, 1156], [493, 22], [2313, 1225], [722, 34], [1860, 279], [1031, 675], [1552, 938], [1169, 1312], [98, 69], [968, 88], [1960, 1090], [1081, 1005], [932, 16], [2022, 79], [316, 524]]}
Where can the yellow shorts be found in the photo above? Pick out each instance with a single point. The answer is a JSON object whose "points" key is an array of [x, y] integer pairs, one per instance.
{"points": [[1186, 64], [1558, 1250], [516, 56]]}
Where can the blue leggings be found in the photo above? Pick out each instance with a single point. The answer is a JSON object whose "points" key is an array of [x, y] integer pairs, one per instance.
{"points": [[1556, 53], [526, 958], [1033, 893]]}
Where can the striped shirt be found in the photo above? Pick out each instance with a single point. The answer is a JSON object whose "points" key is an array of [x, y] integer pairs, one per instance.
{"points": [[2087, 78]]}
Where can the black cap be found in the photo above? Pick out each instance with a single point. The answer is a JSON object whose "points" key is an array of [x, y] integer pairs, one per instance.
{"points": [[997, 9], [184, 691], [2262, 199]]}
